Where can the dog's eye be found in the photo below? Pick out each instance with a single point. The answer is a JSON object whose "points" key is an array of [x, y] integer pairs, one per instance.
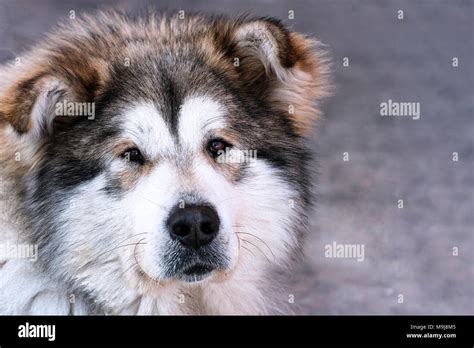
{"points": [[133, 155], [217, 146]]}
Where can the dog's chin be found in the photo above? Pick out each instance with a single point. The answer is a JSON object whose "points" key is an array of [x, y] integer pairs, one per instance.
{"points": [[196, 272], [193, 274], [186, 266]]}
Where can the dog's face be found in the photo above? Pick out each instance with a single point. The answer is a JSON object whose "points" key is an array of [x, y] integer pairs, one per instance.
{"points": [[193, 164]]}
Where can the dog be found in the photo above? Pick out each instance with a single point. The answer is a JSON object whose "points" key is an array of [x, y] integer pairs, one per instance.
{"points": [[157, 164]]}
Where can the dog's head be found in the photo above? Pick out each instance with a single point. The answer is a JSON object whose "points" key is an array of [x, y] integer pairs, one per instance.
{"points": [[165, 149]]}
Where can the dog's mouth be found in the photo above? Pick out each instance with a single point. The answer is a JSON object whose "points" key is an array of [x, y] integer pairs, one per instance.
{"points": [[190, 265], [196, 272]]}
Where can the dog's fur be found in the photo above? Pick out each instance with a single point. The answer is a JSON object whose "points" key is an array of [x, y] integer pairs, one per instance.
{"points": [[166, 85]]}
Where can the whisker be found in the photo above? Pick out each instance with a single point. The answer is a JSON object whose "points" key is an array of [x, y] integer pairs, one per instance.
{"points": [[110, 250], [140, 267], [226, 199], [261, 240], [118, 247], [128, 269], [242, 246], [153, 202], [133, 235], [250, 251], [261, 251]]}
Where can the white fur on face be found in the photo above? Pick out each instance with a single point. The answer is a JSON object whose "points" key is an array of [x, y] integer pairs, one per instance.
{"points": [[161, 190], [259, 208], [146, 128], [87, 250], [198, 116], [255, 214], [152, 199]]}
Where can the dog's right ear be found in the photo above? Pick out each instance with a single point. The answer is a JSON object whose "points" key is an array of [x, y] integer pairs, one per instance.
{"points": [[285, 68], [29, 99]]}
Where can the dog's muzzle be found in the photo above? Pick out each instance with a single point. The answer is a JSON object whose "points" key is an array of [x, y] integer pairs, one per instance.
{"points": [[193, 228]]}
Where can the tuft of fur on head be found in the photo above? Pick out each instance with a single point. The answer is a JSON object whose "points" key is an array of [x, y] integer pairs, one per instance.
{"points": [[264, 85]]}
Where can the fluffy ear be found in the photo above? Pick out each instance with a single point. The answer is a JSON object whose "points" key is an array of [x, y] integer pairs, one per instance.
{"points": [[29, 104], [29, 94], [287, 68]]}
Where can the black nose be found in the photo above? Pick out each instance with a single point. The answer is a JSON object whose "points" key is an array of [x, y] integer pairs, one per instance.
{"points": [[194, 225]]}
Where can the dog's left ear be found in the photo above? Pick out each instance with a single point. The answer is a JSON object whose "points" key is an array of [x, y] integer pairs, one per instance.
{"points": [[286, 68]]}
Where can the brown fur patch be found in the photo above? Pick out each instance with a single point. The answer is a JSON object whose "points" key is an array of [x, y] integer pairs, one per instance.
{"points": [[296, 81]]}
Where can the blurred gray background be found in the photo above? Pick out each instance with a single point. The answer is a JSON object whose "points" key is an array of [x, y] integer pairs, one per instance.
{"points": [[408, 251]]}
